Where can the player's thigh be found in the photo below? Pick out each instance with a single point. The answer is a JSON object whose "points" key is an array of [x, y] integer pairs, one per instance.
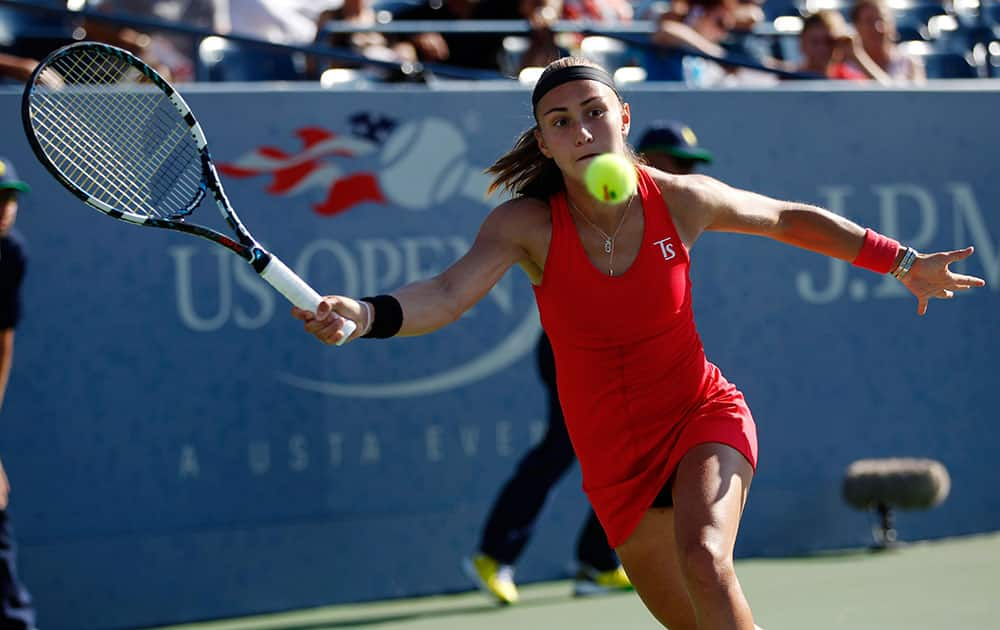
{"points": [[650, 560], [709, 492]]}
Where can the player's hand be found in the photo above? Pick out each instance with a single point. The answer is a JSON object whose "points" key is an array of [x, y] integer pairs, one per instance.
{"points": [[930, 277], [329, 317]]}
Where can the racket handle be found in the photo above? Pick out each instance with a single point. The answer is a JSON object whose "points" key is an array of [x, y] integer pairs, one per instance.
{"points": [[290, 285]]}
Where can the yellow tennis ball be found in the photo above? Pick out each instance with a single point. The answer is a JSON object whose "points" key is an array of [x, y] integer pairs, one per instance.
{"points": [[610, 178]]}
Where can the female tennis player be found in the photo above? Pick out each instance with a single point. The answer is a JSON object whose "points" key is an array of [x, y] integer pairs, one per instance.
{"points": [[666, 445]]}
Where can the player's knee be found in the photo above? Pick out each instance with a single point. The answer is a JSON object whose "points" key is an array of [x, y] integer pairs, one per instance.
{"points": [[706, 567]]}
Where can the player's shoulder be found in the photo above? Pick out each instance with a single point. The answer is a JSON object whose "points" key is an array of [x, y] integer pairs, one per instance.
{"points": [[686, 188], [670, 183], [521, 213]]}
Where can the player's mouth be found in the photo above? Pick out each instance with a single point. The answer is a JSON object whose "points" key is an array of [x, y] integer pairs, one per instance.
{"points": [[587, 157]]}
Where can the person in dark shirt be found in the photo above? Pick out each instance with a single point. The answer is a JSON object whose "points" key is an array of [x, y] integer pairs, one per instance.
{"points": [[16, 612]]}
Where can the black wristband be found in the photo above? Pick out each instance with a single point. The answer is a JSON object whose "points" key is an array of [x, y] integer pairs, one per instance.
{"points": [[388, 316]]}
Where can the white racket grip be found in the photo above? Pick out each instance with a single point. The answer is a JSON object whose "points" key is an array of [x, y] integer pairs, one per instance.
{"points": [[290, 285]]}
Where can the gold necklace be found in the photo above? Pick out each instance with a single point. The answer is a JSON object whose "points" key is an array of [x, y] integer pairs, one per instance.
{"points": [[609, 241]]}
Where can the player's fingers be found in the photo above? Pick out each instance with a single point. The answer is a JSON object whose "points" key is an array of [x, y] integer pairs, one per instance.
{"points": [[945, 294], [966, 282], [324, 326], [347, 328], [921, 306], [338, 335], [327, 330], [302, 314], [324, 309], [960, 254]]}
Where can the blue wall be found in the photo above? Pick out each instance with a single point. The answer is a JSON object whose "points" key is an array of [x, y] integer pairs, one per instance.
{"points": [[180, 450]]}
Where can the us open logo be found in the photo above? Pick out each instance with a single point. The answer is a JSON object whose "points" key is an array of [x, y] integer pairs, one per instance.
{"points": [[379, 167]]}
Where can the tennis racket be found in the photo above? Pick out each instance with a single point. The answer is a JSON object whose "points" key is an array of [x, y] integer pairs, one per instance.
{"points": [[121, 138]]}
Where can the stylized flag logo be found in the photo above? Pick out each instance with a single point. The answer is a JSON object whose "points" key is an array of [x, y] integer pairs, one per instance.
{"points": [[310, 168], [413, 165]]}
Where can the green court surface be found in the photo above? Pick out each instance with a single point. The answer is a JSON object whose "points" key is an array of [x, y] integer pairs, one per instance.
{"points": [[949, 584]]}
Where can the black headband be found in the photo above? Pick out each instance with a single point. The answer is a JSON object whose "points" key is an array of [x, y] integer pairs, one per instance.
{"points": [[570, 73]]}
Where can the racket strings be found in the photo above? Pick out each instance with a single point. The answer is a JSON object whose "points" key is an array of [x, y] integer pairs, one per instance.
{"points": [[115, 135], [74, 135], [149, 114]]}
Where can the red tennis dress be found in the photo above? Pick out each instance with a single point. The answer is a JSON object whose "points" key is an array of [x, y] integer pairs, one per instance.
{"points": [[634, 383]]}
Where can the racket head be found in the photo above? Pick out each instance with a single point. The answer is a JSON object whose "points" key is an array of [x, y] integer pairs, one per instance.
{"points": [[116, 134]]}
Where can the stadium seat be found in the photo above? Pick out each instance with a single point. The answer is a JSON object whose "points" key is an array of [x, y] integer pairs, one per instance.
{"points": [[911, 29], [607, 51], [993, 12], [394, 5], [220, 59], [916, 10], [778, 8], [344, 77], [944, 62], [511, 51]]}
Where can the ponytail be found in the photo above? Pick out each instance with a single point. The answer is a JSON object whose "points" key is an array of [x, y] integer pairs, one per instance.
{"points": [[525, 170]]}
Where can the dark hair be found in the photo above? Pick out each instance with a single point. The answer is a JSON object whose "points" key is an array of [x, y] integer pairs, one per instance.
{"points": [[524, 170], [832, 20]]}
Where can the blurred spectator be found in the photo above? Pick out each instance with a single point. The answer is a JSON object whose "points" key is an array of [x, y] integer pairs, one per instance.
{"points": [[748, 14], [742, 15], [876, 27], [368, 44], [471, 50], [542, 46], [277, 21], [606, 11], [601, 13], [16, 68], [830, 50], [171, 54], [702, 26]]}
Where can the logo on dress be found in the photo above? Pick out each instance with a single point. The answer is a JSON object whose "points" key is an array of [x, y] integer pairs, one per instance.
{"points": [[666, 248]]}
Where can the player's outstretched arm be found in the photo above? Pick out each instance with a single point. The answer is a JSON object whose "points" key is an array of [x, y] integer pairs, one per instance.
{"points": [[717, 206], [430, 304]]}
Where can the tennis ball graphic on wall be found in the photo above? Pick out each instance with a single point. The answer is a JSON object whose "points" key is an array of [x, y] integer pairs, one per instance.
{"points": [[423, 163]]}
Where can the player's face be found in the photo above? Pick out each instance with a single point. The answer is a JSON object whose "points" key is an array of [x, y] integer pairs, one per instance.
{"points": [[578, 121], [8, 210]]}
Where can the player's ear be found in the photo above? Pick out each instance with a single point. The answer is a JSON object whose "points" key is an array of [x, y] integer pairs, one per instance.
{"points": [[541, 143], [626, 119]]}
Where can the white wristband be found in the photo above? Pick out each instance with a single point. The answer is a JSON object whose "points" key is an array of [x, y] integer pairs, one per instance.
{"points": [[369, 317]]}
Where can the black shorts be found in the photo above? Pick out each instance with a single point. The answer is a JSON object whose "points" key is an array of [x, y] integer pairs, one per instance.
{"points": [[665, 499]]}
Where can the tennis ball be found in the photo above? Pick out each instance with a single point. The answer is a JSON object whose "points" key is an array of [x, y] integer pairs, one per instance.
{"points": [[610, 178]]}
